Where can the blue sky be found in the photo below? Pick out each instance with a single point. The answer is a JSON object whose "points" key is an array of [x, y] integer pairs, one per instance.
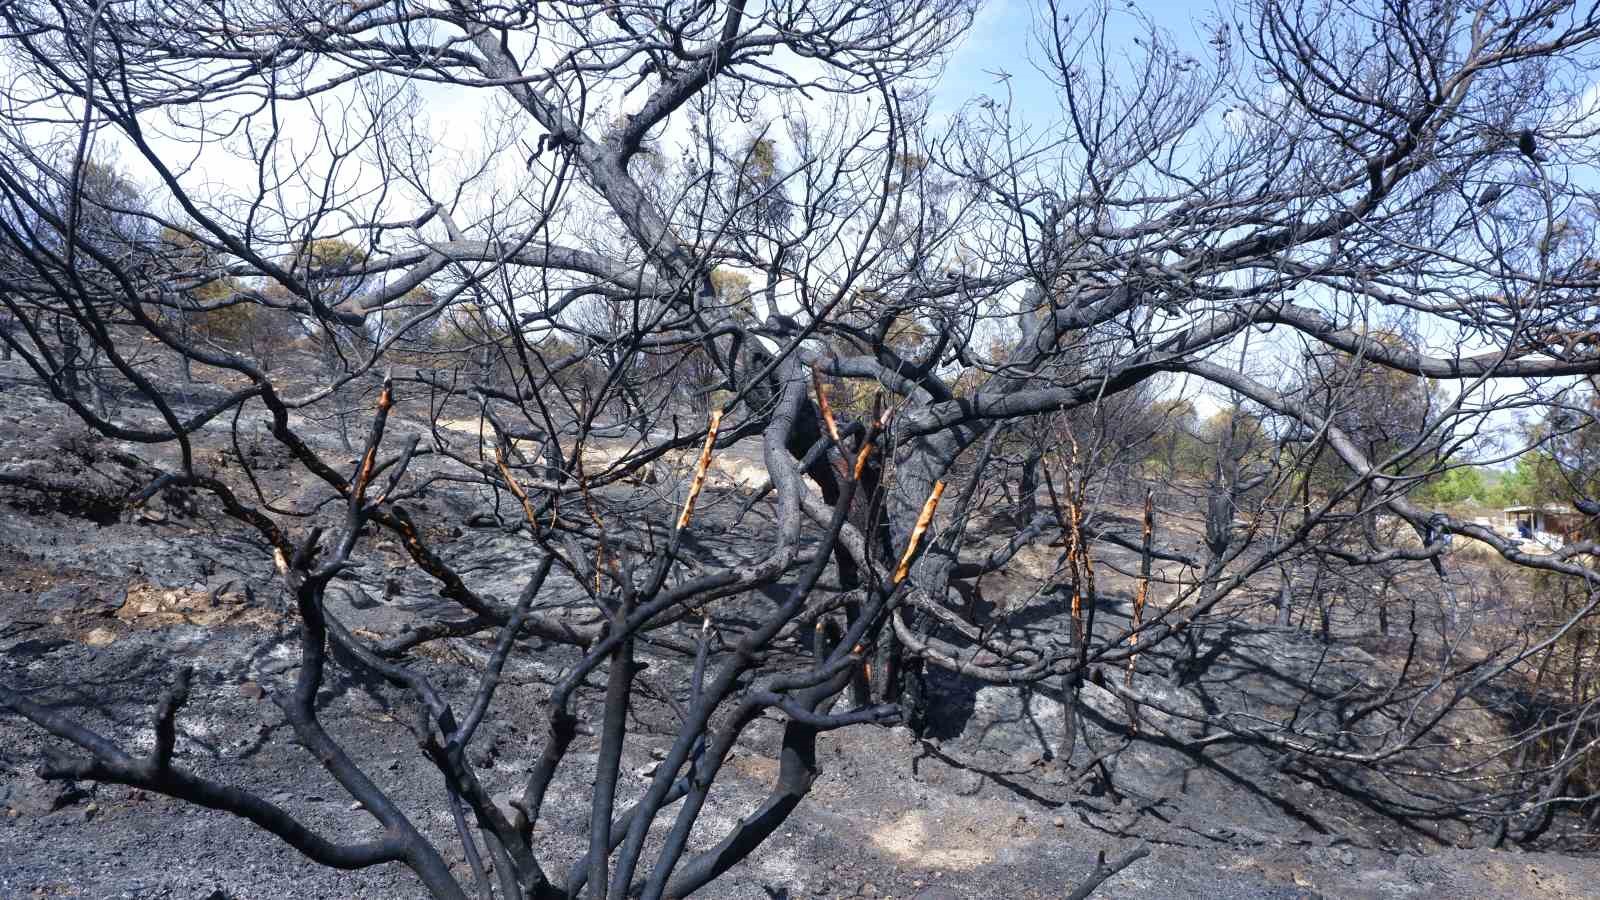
{"points": [[1001, 39]]}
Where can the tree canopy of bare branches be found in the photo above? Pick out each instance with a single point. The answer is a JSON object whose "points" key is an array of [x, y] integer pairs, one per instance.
{"points": [[631, 240]]}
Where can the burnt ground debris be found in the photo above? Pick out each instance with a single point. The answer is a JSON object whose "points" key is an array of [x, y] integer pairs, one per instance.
{"points": [[97, 611]]}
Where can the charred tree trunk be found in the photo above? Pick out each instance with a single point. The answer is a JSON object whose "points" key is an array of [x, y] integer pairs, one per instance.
{"points": [[920, 465], [1285, 597], [1028, 487]]}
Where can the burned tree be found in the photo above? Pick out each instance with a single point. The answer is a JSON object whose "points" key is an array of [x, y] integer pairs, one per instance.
{"points": [[988, 293]]}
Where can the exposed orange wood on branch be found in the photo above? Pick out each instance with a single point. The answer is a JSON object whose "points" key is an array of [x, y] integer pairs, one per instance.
{"points": [[700, 467], [881, 417], [1085, 556], [1080, 566], [861, 460], [1143, 592], [823, 404], [1074, 554], [604, 545], [369, 460], [923, 520], [515, 488]]}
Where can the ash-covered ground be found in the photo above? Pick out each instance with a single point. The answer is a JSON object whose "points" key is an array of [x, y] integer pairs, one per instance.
{"points": [[99, 607]]}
